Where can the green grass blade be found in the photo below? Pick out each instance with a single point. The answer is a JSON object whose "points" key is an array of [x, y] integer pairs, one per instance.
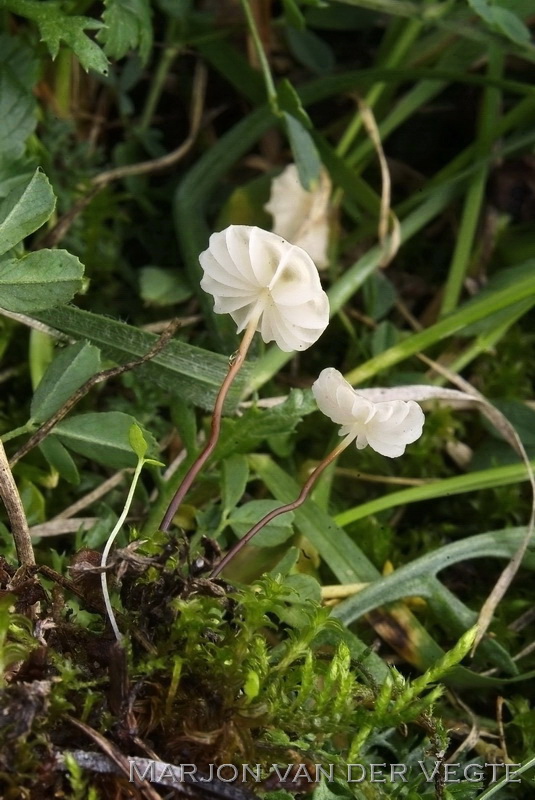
{"points": [[193, 373], [473, 311], [469, 482], [350, 564], [475, 194], [413, 579]]}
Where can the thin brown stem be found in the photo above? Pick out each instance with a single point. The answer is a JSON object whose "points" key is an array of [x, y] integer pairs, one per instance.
{"points": [[235, 365], [15, 512], [284, 509]]}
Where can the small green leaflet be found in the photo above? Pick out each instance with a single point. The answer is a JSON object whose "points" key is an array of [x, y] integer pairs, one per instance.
{"points": [[60, 459], [304, 151], [275, 532], [503, 20], [102, 437], [235, 474], [70, 369], [137, 441], [162, 287], [39, 280], [24, 210]]}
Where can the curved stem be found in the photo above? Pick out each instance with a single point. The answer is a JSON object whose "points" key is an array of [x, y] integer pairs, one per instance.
{"points": [[199, 463], [15, 511], [105, 553], [28, 427], [262, 57], [284, 509]]}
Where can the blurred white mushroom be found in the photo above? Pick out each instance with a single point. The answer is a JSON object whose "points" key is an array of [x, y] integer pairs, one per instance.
{"points": [[302, 217]]}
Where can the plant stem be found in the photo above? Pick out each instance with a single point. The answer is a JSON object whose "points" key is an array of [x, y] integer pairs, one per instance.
{"points": [[170, 52], [284, 509], [235, 365], [111, 539], [262, 58], [63, 83], [28, 427], [15, 512]]}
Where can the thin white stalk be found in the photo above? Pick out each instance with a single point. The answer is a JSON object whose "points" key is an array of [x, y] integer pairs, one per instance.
{"points": [[105, 553]]}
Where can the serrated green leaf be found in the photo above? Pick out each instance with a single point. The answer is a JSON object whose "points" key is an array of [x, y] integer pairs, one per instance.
{"points": [[137, 441], [71, 368], [102, 437], [304, 152], [55, 26], [128, 27], [275, 532], [40, 280], [24, 210], [60, 459], [71, 31], [245, 434]]}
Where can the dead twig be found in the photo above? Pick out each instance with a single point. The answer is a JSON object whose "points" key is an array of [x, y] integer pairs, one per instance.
{"points": [[15, 511], [389, 231], [474, 732], [93, 496], [58, 527], [115, 755]]}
